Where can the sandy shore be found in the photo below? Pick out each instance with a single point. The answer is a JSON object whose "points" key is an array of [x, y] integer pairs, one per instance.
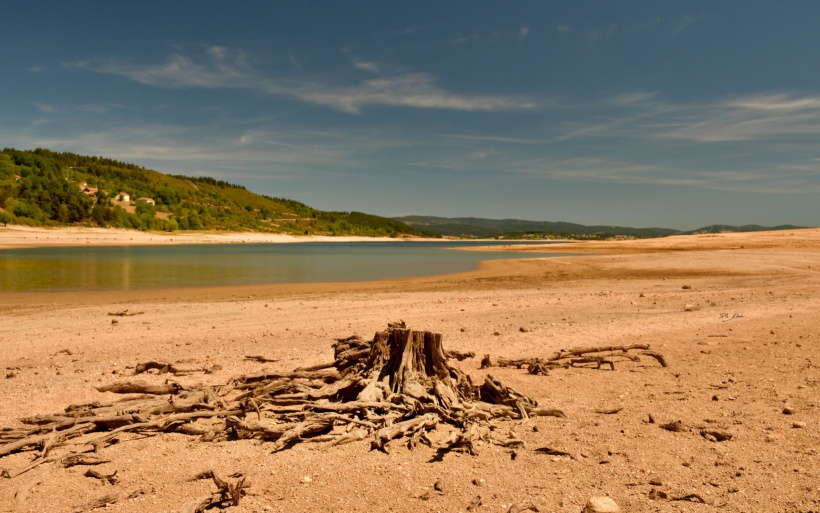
{"points": [[736, 315], [13, 237]]}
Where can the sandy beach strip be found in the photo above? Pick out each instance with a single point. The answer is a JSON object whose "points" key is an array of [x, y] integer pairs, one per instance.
{"points": [[18, 237]]}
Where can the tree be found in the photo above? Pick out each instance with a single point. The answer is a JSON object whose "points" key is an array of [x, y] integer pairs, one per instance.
{"points": [[98, 214], [6, 218], [62, 213], [166, 196], [193, 221]]}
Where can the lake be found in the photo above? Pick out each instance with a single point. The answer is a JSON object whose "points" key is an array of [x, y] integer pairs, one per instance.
{"points": [[149, 267]]}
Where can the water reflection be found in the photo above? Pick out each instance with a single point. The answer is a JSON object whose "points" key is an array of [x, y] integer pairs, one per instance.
{"points": [[145, 267]]}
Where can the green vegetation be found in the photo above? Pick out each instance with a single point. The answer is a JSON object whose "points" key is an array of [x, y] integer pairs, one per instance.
{"points": [[42, 188]]}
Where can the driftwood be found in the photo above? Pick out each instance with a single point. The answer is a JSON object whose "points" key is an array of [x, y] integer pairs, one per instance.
{"points": [[227, 494], [693, 497], [170, 368], [583, 356], [136, 387], [111, 479], [22, 492], [452, 354], [609, 411], [397, 386], [261, 359], [125, 313], [715, 435], [99, 502]]}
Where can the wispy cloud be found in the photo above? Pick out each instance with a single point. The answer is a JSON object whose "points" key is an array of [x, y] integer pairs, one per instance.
{"points": [[72, 109], [776, 102], [223, 69], [779, 179], [368, 66], [229, 69], [295, 62], [684, 23], [762, 143], [595, 34], [513, 140], [523, 32], [406, 90], [593, 170], [748, 118]]}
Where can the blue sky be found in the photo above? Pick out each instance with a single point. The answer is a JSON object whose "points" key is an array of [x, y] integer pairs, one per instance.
{"points": [[672, 114]]}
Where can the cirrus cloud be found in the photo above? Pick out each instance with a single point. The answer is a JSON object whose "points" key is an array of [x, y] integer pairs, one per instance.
{"points": [[223, 68]]}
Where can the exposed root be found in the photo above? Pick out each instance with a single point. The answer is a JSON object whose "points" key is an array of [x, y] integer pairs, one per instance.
{"points": [[399, 385], [584, 356]]}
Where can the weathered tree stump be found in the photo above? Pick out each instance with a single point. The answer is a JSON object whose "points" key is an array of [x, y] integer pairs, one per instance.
{"points": [[397, 385]]}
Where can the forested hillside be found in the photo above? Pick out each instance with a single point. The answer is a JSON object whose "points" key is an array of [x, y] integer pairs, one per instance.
{"points": [[474, 227], [44, 188]]}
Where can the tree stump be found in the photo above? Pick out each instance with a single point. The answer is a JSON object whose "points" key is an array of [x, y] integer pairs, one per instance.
{"points": [[411, 363]]}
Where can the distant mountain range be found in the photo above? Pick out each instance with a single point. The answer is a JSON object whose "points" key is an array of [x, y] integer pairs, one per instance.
{"points": [[475, 227]]}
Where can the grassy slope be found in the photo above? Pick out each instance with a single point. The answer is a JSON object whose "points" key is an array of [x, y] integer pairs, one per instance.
{"points": [[49, 180]]}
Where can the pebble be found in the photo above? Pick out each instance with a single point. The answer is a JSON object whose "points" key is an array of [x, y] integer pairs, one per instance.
{"points": [[601, 505], [798, 425], [773, 437], [523, 329], [439, 486], [788, 410], [306, 479]]}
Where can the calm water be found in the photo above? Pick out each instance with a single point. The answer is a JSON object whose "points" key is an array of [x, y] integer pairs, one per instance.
{"points": [[146, 267]]}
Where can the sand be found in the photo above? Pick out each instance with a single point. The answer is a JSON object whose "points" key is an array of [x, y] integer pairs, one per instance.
{"points": [[742, 342], [15, 237]]}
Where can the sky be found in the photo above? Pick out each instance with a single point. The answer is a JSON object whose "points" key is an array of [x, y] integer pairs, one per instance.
{"points": [[636, 113]]}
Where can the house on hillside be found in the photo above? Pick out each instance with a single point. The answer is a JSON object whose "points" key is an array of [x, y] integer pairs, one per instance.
{"points": [[147, 201], [17, 177], [123, 196], [90, 191]]}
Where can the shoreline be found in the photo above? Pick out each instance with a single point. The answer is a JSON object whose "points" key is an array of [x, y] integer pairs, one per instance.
{"points": [[487, 270], [25, 237]]}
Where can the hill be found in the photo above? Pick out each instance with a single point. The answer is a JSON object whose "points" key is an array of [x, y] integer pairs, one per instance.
{"points": [[475, 227], [720, 228], [44, 188]]}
